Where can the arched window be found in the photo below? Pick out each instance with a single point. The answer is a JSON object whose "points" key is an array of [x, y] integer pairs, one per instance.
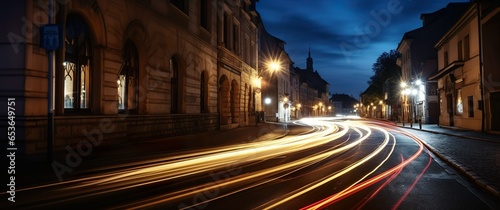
{"points": [[128, 79], [174, 96], [76, 65]]}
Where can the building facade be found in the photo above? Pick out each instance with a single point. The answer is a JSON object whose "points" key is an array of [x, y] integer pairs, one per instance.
{"points": [[344, 105], [418, 62], [468, 68], [275, 69], [314, 91], [130, 70]]}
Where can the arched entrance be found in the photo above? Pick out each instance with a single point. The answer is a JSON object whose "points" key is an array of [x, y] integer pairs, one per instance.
{"points": [[224, 97], [235, 101]]}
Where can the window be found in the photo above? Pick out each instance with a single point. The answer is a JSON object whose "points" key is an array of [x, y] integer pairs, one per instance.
{"points": [[445, 58], [460, 106], [236, 39], [226, 30], [204, 14], [459, 48], [466, 47], [174, 88], [247, 50], [470, 102], [128, 81], [204, 92], [181, 5], [76, 65]]}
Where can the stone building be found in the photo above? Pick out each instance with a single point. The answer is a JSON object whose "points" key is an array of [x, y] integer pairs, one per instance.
{"points": [[129, 70], [314, 91], [468, 70]]}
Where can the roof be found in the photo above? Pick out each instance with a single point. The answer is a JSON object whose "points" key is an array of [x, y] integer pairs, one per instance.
{"points": [[346, 100], [312, 79]]}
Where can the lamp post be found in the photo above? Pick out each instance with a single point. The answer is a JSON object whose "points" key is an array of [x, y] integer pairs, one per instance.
{"points": [[271, 67], [320, 105], [381, 103], [298, 110], [410, 91], [285, 107], [403, 101]]}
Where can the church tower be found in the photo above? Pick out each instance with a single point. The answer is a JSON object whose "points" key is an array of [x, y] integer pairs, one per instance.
{"points": [[309, 62]]}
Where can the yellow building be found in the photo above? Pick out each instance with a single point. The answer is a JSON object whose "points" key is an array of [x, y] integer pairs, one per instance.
{"points": [[468, 68]]}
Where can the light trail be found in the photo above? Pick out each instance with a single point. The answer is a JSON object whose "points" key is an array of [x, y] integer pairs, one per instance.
{"points": [[413, 184], [301, 163], [203, 162], [325, 180], [389, 180], [323, 138], [349, 191]]}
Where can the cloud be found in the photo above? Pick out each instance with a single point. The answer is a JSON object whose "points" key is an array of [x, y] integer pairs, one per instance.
{"points": [[326, 26]]}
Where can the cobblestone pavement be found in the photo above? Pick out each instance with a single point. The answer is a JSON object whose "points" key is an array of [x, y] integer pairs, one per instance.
{"points": [[475, 154]]}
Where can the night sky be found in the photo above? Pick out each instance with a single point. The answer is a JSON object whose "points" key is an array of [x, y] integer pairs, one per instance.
{"points": [[345, 37]]}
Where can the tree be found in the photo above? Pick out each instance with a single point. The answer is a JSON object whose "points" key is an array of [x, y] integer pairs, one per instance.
{"points": [[385, 79]]}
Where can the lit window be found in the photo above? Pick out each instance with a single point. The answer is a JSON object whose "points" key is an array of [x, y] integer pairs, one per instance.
{"points": [[76, 65], [460, 106], [128, 79]]}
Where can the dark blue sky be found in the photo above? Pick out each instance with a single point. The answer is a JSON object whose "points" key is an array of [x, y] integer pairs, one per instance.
{"points": [[345, 36]]}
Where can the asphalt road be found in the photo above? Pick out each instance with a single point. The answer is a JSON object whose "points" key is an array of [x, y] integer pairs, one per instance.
{"points": [[319, 164]]}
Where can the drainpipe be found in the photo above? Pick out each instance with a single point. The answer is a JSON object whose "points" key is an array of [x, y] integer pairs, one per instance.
{"points": [[481, 70], [218, 48], [50, 113]]}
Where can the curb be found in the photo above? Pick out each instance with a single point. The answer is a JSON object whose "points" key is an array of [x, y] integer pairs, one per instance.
{"points": [[463, 169], [450, 134]]}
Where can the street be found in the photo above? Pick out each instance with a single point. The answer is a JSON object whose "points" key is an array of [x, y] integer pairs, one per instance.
{"points": [[321, 163]]}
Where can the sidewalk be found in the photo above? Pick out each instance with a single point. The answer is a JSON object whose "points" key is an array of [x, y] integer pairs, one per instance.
{"points": [[33, 169], [475, 154]]}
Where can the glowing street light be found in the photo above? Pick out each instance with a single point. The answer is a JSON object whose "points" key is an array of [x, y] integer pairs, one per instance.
{"points": [[274, 66], [267, 100]]}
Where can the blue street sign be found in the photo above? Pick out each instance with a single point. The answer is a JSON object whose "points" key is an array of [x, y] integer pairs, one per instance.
{"points": [[51, 36]]}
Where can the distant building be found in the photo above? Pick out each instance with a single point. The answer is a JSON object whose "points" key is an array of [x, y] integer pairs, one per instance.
{"points": [[418, 61], [314, 91], [468, 75], [344, 104]]}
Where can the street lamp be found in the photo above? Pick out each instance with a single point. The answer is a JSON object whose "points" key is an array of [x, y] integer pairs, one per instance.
{"points": [[382, 108], [409, 91], [270, 67], [320, 105], [297, 111], [285, 107], [275, 66]]}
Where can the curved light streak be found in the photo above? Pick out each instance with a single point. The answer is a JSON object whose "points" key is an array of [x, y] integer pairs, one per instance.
{"points": [[203, 161], [339, 196]]}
